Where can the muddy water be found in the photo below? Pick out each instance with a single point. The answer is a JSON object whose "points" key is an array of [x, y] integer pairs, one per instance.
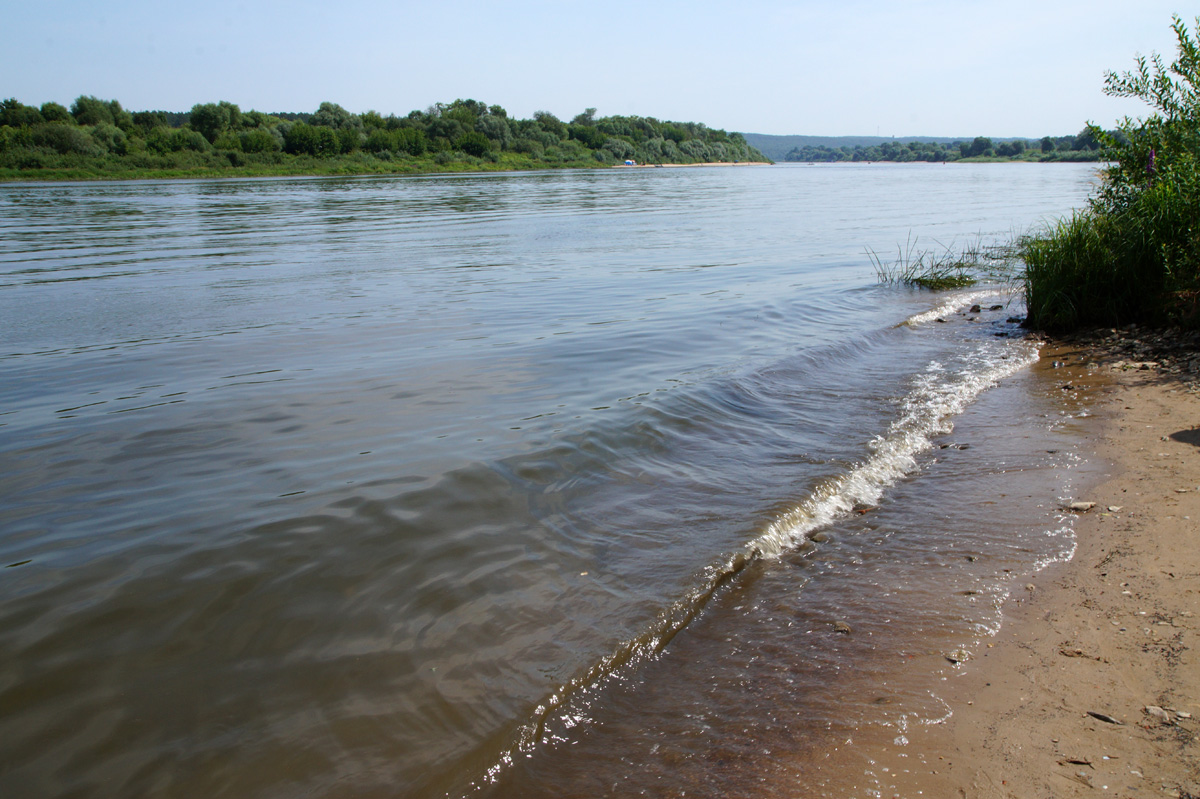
{"points": [[513, 485]]}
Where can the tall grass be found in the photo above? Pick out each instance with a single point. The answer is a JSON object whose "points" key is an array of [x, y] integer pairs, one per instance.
{"points": [[1134, 255], [946, 267], [1134, 260]]}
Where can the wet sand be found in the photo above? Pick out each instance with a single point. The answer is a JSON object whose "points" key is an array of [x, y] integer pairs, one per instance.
{"points": [[1092, 685]]}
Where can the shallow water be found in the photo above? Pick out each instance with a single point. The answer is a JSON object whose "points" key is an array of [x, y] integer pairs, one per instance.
{"points": [[504, 484]]}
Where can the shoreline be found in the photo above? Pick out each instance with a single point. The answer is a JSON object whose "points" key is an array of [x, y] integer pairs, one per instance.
{"points": [[331, 169], [1093, 682], [692, 166]]}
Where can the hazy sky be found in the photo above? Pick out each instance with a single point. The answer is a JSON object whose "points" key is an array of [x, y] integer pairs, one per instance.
{"points": [[836, 67]]}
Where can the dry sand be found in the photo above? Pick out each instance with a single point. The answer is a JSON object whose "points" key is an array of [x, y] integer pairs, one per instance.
{"points": [[1092, 686]]}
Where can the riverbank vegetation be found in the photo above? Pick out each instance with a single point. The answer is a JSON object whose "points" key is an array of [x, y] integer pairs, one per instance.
{"points": [[1084, 146], [1133, 255], [946, 266], [97, 138]]}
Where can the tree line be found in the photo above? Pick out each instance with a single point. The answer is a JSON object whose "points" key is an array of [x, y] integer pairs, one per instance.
{"points": [[102, 136], [1084, 146]]}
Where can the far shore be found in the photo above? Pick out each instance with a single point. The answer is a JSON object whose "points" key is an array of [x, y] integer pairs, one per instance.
{"points": [[1092, 686], [706, 163]]}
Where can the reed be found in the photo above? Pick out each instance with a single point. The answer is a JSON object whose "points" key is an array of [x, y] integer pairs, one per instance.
{"points": [[947, 266]]}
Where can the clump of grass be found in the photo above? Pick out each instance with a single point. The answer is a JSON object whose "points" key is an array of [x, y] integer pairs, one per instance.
{"points": [[1134, 255], [937, 270], [1133, 258], [1073, 277]]}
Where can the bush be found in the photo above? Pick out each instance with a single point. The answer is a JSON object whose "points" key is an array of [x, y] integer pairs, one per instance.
{"points": [[54, 112], [1134, 255], [15, 114], [529, 146], [380, 140], [15, 138], [109, 137], [620, 150], [258, 140], [183, 139], [210, 119], [594, 139], [496, 128], [412, 141], [92, 110], [473, 143], [348, 140], [65, 139]]}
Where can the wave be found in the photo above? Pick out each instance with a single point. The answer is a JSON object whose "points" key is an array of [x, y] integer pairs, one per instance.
{"points": [[936, 395], [957, 303]]}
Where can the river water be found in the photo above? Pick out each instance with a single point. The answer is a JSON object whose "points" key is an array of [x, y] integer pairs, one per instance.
{"points": [[560, 484]]}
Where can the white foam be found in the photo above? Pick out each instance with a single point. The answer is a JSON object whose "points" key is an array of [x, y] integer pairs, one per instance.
{"points": [[937, 395], [957, 303]]}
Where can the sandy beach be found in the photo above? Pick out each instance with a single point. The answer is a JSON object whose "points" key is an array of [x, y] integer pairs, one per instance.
{"points": [[1092, 685]]}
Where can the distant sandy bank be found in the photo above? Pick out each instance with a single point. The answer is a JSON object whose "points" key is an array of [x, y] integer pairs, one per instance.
{"points": [[679, 166]]}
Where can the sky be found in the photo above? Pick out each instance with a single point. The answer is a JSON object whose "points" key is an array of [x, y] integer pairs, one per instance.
{"points": [[831, 68]]}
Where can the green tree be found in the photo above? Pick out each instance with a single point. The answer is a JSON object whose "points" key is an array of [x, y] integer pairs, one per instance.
{"points": [[675, 133], [54, 112], [183, 139], [300, 139], [210, 120], [16, 114], [258, 140], [979, 146], [89, 110], [444, 127], [412, 140], [235, 114], [149, 120], [332, 115], [65, 139], [589, 135], [622, 150], [1087, 139], [257, 119], [109, 137], [473, 143], [381, 140], [550, 123], [495, 128], [349, 140], [588, 117]]}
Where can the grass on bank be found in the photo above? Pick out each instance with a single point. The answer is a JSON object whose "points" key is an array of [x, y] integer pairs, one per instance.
{"points": [[238, 165], [1133, 256]]}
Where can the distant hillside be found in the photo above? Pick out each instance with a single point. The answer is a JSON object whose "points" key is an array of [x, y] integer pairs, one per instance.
{"points": [[776, 147]]}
